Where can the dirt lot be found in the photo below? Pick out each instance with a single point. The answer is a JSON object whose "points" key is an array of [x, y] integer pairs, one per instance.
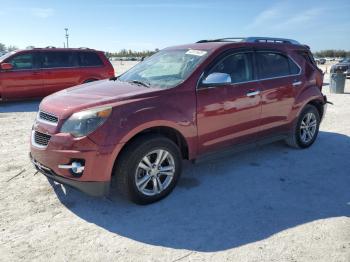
{"points": [[269, 204]]}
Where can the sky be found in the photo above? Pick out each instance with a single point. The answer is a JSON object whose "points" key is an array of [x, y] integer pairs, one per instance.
{"points": [[145, 25]]}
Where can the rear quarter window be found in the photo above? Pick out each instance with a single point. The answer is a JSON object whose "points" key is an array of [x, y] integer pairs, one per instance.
{"points": [[89, 59], [308, 57]]}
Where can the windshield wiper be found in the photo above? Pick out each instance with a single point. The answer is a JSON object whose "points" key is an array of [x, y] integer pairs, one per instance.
{"points": [[140, 83]]}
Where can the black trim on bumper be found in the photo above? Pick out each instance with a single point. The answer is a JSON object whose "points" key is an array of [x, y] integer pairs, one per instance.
{"points": [[97, 189]]}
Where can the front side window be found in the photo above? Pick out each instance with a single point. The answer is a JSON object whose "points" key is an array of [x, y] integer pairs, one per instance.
{"points": [[271, 65], [234, 68], [57, 59], [6, 55], [22, 61], [166, 68]]}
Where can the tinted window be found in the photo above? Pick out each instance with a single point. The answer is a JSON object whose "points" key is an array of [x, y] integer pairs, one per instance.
{"points": [[22, 61], [275, 65], [294, 69], [89, 59], [308, 57], [238, 66], [57, 59]]}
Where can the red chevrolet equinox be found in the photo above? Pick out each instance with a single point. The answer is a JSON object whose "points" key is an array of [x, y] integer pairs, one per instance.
{"points": [[184, 102], [39, 72]]}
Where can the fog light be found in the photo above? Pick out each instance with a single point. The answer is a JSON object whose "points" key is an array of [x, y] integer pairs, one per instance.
{"points": [[76, 167]]}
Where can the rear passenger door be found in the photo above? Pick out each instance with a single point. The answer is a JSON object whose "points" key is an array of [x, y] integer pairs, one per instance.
{"points": [[60, 70], [279, 76]]}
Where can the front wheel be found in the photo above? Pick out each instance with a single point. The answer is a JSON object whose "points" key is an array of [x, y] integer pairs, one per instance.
{"points": [[148, 169], [306, 130]]}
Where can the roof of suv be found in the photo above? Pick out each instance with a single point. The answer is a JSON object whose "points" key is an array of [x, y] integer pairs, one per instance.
{"points": [[49, 48], [239, 42]]}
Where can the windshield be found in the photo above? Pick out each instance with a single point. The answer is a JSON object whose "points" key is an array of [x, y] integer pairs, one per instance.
{"points": [[345, 60], [165, 69]]}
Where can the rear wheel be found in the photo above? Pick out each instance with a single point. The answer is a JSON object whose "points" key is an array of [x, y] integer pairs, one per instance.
{"points": [[306, 130], [148, 169]]}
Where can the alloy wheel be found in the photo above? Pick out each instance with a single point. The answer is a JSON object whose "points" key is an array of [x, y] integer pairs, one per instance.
{"points": [[155, 172], [308, 127]]}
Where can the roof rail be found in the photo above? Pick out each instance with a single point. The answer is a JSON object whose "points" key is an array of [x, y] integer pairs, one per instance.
{"points": [[227, 39], [271, 40], [50, 46], [253, 39]]}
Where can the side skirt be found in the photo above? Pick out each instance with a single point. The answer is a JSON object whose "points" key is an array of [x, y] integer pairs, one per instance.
{"points": [[237, 148]]}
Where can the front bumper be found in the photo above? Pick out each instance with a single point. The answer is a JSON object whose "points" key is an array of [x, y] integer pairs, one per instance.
{"points": [[62, 150], [90, 188]]}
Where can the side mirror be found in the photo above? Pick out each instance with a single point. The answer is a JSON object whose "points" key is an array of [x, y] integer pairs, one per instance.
{"points": [[6, 66], [217, 78]]}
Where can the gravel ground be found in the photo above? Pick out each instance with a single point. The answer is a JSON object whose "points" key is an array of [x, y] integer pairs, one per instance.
{"points": [[269, 204]]}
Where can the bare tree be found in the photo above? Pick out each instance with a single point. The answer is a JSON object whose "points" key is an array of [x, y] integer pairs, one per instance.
{"points": [[2, 47], [11, 48]]}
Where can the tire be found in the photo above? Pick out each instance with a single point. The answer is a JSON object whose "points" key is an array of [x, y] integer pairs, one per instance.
{"points": [[305, 133], [132, 169]]}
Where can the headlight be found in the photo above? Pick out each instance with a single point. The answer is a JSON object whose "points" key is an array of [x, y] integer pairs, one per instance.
{"points": [[85, 122]]}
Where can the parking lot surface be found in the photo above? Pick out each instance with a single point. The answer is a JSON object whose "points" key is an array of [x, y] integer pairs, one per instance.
{"points": [[273, 203]]}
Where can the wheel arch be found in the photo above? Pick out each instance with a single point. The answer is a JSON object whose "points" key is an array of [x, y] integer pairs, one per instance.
{"points": [[318, 103], [170, 132], [319, 106], [312, 96]]}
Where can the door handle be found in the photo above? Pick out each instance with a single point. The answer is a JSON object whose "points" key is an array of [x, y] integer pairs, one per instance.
{"points": [[253, 93], [297, 83]]}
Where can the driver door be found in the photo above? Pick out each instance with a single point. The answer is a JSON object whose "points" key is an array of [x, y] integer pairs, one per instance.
{"points": [[24, 80], [228, 103]]}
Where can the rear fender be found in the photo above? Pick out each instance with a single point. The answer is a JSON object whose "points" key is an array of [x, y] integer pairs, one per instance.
{"points": [[313, 93]]}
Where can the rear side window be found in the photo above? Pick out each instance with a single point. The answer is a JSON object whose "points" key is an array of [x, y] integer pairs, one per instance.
{"points": [[57, 59], [238, 66], [89, 59], [272, 65], [22, 61]]}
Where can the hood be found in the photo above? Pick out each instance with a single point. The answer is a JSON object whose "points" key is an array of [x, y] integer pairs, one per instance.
{"points": [[98, 93]]}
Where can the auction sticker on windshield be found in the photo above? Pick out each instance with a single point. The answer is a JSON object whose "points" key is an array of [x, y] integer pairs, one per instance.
{"points": [[196, 52]]}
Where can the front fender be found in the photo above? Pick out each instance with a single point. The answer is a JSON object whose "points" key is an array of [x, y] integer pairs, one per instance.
{"points": [[150, 117], [134, 116]]}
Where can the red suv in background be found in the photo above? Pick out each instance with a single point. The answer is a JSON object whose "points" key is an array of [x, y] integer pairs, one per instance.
{"points": [[42, 71], [184, 102]]}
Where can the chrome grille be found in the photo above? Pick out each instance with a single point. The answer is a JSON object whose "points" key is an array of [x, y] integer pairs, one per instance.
{"points": [[41, 139], [48, 117]]}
